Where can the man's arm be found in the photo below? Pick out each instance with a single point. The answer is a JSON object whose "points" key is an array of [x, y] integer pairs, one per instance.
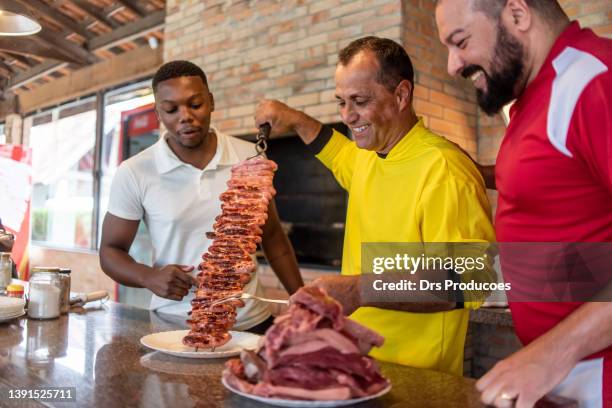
{"points": [[487, 171], [171, 281], [357, 291], [279, 252], [284, 119], [488, 174], [535, 370]]}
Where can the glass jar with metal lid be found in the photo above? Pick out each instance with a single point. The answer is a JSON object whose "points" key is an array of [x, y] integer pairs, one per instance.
{"points": [[44, 293]]}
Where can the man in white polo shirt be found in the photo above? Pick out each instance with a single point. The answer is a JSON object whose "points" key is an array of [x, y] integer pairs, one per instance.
{"points": [[174, 186]]}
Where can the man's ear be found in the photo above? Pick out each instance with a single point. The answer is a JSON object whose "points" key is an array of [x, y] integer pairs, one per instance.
{"points": [[212, 102], [156, 113], [403, 94], [517, 15]]}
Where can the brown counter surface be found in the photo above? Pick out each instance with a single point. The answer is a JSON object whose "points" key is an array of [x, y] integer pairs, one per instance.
{"points": [[98, 351]]}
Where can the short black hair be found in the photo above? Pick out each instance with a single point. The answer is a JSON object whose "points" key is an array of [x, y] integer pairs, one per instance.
{"points": [[550, 10], [175, 69], [395, 64]]}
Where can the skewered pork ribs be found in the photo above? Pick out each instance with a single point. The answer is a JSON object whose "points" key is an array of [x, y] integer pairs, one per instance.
{"points": [[227, 264]]}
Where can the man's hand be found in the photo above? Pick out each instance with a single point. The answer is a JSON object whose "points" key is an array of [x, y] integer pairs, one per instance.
{"points": [[523, 378], [171, 281], [280, 116], [345, 289], [284, 119], [6, 241]]}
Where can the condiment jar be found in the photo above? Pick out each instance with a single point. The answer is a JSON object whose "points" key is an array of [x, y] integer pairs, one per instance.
{"points": [[64, 275], [6, 270], [44, 294], [15, 290]]}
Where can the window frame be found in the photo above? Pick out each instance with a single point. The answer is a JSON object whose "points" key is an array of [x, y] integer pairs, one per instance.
{"points": [[100, 99]]}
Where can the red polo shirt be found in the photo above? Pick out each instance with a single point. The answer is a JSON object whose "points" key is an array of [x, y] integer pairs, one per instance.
{"points": [[554, 167]]}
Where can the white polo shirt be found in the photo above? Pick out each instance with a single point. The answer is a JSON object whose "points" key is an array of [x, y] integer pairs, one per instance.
{"points": [[179, 203]]}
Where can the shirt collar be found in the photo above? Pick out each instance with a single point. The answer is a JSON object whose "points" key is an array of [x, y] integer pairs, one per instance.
{"points": [[403, 145], [166, 160], [564, 39]]}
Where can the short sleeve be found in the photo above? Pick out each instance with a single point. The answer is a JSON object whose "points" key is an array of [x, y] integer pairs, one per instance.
{"points": [[125, 196], [455, 208], [339, 155], [591, 129]]}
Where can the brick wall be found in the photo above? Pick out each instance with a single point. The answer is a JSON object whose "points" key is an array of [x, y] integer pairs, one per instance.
{"points": [[447, 105], [272, 48]]}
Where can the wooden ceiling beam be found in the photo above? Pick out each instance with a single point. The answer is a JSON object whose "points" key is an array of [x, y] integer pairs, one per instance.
{"points": [[95, 12], [129, 32], [7, 68], [71, 50], [57, 16], [28, 62], [134, 7], [151, 22], [29, 46], [34, 73]]}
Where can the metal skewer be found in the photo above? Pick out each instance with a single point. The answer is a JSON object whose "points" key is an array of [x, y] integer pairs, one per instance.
{"points": [[249, 296], [261, 141]]}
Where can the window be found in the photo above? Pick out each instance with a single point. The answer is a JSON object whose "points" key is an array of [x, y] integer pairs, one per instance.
{"points": [[70, 184], [63, 141]]}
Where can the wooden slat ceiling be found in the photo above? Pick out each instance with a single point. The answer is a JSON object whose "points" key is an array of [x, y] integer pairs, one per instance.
{"points": [[76, 33]]}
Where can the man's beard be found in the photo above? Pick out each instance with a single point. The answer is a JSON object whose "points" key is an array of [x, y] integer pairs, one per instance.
{"points": [[506, 72]]}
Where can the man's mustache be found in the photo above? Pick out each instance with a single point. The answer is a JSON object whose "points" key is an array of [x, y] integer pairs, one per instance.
{"points": [[471, 70]]}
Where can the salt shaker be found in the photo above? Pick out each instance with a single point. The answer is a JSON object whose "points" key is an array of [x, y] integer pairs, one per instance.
{"points": [[44, 294]]}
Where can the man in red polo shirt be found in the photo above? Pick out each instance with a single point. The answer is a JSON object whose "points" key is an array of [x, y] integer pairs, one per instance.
{"points": [[553, 174]]}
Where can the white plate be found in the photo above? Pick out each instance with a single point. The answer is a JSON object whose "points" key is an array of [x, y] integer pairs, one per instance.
{"points": [[11, 306], [7, 318], [171, 342], [303, 403]]}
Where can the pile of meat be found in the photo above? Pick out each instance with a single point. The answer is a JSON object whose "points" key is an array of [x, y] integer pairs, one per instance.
{"points": [[227, 264], [312, 352]]}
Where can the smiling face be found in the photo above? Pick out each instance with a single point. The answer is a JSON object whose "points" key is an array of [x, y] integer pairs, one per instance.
{"points": [[367, 107], [482, 49], [184, 105]]}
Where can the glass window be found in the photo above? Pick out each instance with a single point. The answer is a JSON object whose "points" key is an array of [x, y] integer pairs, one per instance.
{"points": [[129, 127], [63, 141], [116, 103]]}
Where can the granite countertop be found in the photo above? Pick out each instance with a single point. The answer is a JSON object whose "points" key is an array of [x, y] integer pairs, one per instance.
{"points": [[497, 316], [97, 350]]}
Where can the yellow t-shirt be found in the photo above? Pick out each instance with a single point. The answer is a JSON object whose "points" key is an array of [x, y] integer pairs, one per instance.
{"points": [[425, 190]]}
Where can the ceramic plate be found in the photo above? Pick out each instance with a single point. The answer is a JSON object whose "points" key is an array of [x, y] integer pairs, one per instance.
{"points": [[305, 404], [11, 317], [11, 306], [170, 342]]}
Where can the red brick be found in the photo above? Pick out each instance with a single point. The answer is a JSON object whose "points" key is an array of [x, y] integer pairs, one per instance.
{"points": [[426, 108], [420, 92], [289, 79]]}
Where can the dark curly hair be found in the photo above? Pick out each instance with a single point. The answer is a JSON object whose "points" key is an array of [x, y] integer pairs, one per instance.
{"points": [[175, 69], [395, 64]]}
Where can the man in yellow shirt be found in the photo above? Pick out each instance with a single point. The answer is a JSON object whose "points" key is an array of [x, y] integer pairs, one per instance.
{"points": [[405, 184]]}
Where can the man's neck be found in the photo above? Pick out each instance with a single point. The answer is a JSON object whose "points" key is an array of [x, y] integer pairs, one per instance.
{"points": [[404, 127], [542, 40], [200, 156]]}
